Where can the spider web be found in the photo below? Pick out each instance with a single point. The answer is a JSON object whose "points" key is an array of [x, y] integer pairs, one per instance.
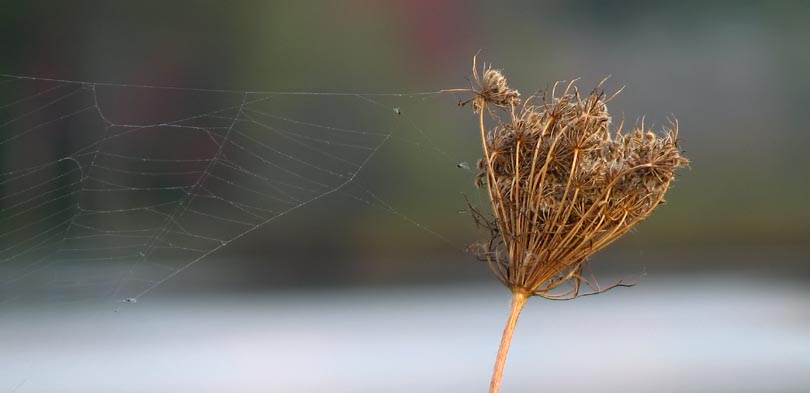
{"points": [[88, 176]]}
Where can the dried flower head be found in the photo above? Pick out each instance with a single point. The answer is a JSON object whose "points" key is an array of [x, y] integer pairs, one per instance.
{"points": [[563, 186], [491, 88]]}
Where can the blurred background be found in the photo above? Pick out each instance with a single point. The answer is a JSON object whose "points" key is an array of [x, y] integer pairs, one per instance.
{"points": [[363, 284]]}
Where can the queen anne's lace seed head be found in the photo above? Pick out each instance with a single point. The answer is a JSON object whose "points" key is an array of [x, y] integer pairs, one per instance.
{"points": [[562, 185]]}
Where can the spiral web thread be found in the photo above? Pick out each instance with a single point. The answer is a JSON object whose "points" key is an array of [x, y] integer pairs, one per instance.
{"points": [[145, 200]]}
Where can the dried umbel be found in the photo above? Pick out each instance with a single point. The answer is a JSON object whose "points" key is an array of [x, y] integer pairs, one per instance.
{"points": [[491, 90], [562, 185]]}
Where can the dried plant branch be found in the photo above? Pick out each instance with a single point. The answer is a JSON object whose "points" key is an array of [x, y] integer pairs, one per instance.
{"points": [[562, 186]]}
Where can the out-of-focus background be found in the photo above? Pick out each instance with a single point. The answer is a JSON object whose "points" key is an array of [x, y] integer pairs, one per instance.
{"points": [[337, 220]]}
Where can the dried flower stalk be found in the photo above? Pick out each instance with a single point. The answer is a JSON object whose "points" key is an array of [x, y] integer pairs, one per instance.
{"points": [[562, 186]]}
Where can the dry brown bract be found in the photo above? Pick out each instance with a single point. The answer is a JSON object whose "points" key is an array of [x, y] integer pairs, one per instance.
{"points": [[562, 184]]}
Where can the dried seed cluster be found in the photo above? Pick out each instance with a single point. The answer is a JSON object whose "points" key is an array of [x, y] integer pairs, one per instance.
{"points": [[562, 184], [494, 90]]}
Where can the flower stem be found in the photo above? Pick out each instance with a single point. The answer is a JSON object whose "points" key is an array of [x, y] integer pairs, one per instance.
{"points": [[519, 299]]}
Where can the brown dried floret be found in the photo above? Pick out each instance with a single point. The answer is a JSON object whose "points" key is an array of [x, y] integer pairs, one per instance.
{"points": [[491, 88]]}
